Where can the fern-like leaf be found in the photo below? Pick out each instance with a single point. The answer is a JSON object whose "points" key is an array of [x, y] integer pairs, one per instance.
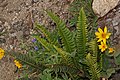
{"points": [[44, 31], [81, 38], [96, 56], [47, 34], [92, 67], [64, 32], [27, 59], [94, 48], [63, 53], [69, 69], [45, 44]]}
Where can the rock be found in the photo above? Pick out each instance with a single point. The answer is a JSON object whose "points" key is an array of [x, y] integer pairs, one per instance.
{"points": [[117, 30], [2, 40], [35, 1], [108, 20], [102, 7], [115, 23], [19, 35], [116, 20]]}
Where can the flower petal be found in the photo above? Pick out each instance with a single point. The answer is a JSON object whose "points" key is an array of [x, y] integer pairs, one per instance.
{"points": [[99, 40], [106, 46], [99, 46], [97, 33], [108, 35], [104, 41], [1, 53], [17, 63], [105, 29], [111, 50], [102, 50], [100, 30]]}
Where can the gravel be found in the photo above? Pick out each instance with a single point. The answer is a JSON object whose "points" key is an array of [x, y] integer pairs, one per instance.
{"points": [[17, 18], [16, 22]]}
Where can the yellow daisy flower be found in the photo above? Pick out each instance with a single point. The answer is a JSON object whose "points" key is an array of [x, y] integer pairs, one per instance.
{"points": [[103, 46], [111, 50], [17, 63], [102, 35], [1, 53]]}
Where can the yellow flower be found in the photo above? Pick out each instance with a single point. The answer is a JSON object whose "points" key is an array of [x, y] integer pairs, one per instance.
{"points": [[1, 53], [103, 46], [17, 63], [111, 50], [102, 35]]}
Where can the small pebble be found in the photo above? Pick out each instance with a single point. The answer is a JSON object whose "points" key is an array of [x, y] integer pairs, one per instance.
{"points": [[114, 22]]}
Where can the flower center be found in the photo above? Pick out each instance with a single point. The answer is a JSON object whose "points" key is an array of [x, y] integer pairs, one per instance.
{"points": [[103, 46], [103, 35]]}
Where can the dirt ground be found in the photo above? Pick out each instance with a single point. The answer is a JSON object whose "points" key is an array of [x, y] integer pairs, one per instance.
{"points": [[18, 16], [16, 20]]}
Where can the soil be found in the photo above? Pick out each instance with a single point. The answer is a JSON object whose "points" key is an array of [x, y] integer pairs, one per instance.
{"points": [[17, 18], [16, 22]]}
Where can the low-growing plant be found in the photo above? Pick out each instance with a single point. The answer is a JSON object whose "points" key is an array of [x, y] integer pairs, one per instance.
{"points": [[75, 7], [67, 55]]}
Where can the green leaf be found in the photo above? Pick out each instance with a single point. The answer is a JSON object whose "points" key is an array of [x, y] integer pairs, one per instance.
{"points": [[64, 32], [92, 67], [50, 36], [63, 53], [44, 31], [117, 58], [46, 75], [44, 43], [69, 69], [81, 38], [94, 47], [27, 59], [110, 72], [75, 7]]}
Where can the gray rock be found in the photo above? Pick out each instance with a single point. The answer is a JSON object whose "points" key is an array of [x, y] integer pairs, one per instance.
{"points": [[116, 20], [115, 23], [108, 20], [35, 1], [102, 7], [117, 30], [19, 35]]}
